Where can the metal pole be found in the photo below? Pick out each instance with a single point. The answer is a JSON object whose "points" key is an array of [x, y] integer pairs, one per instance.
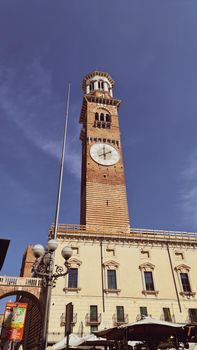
{"points": [[102, 281], [61, 166], [49, 279], [67, 342], [47, 303], [175, 286]]}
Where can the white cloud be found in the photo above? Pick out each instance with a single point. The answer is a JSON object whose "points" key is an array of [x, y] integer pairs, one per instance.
{"points": [[189, 190], [28, 99]]}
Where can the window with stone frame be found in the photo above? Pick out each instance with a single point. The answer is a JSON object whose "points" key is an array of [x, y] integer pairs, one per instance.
{"points": [[148, 279], [147, 270], [185, 282], [183, 274], [192, 315], [120, 314], [111, 275], [111, 279], [143, 311], [167, 314], [72, 278], [93, 313]]}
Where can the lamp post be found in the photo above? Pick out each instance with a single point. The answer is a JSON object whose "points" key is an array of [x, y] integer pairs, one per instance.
{"points": [[44, 268]]}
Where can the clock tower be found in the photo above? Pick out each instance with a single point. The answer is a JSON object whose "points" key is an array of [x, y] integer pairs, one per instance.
{"points": [[103, 190]]}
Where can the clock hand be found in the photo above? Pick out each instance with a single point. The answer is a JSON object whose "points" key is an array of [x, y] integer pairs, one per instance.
{"points": [[104, 151], [104, 154], [107, 152]]}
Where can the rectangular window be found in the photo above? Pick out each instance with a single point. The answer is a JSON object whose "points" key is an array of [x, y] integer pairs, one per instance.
{"points": [[111, 279], [143, 311], [110, 252], [73, 278], [93, 313], [120, 313], [145, 254], [185, 282], [179, 255], [93, 328], [148, 278], [167, 314], [75, 250], [193, 315]]}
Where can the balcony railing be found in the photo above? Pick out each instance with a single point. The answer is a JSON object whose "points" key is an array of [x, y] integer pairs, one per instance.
{"points": [[168, 319], [120, 320], [54, 337], [93, 320], [141, 317], [192, 320], [102, 124], [126, 232], [63, 319]]}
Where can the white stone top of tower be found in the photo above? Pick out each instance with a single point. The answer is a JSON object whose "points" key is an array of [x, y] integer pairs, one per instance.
{"points": [[98, 81]]}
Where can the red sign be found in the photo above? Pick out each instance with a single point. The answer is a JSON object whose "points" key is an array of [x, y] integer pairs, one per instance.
{"points": [[14, 321]]}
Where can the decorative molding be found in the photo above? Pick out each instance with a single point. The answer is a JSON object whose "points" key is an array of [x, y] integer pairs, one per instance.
{"points": [[114, 291], [71, 289], [147, 266], [111, 264], [182, 268], [188, 294], [150, 292], [75, 262], [100, 108]]}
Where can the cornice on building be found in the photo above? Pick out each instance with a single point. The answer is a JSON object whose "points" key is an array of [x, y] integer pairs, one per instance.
{"points": [[130, 235]]}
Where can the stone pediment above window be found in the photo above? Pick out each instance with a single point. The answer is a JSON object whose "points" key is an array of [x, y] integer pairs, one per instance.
{"points": [[147, 267], [111, 264], [182, 268], [75, 262]]}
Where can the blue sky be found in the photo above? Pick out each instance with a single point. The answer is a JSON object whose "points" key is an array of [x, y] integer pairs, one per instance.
{"points": [[150, 50]]}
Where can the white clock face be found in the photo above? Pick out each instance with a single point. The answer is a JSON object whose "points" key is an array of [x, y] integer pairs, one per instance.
{"points": [[104, 154]]}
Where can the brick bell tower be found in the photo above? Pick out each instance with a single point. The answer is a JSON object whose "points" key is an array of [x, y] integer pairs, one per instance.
{"points": [[103, 190]]}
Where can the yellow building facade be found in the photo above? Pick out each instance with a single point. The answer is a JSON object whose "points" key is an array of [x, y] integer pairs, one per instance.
{"points": [[118, 274]]}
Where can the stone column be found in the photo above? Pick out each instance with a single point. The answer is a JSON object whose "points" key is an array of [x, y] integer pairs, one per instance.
{"points": [[105, 86], [96, 85]]}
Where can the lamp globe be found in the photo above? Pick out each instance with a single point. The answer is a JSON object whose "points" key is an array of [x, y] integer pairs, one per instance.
{"points": [[67, 252], [38, 250], [52, 245]]}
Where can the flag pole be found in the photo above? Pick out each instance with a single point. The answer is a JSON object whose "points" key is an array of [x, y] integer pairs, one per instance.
{"points": [[61, 166], [51, 263]]}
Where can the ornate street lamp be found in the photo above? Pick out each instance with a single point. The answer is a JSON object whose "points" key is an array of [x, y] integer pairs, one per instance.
{"points": [[45, 269]]}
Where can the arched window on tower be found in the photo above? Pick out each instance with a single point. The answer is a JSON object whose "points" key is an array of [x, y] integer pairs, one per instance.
{"points": [[108, 118], [91, 85], [100, 85], [102, 120]]}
